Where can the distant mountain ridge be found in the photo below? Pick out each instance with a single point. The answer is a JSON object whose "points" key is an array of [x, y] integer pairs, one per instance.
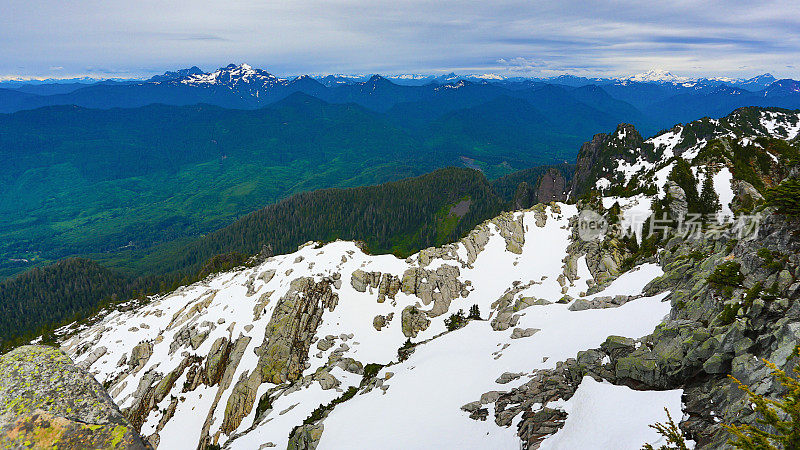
{"points": [[655, 100]]}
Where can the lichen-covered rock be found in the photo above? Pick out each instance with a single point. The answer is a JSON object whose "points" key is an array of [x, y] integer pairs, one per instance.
{"points": [[475, 242], [46, 401], [284, 352], [512, 230], [519, 333], [440, 286], [306, 437], [389, 287], [292, 327], [745, 196], [678, 206], [381, 321], [413, 321], [139, 356], [232, 362], [506, 377], [361, 280], [215, 362], [599, 302]]}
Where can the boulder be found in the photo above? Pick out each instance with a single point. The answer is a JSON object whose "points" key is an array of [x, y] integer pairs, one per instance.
{"points": [[46, 401], [519, 333], [413, 321], [678, 206]]}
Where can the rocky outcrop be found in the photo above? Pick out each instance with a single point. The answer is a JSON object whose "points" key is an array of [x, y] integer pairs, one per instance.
{"points": [[512, 230], [714, 330], [588, 157], [389, 287], [745, 196], [361, 280], [678, 206], [381, 321], [600, 302], [292, 327], [284, 354], [387, 284], [46, 401], [552, 187], [440, 286], [524, 197], [413, 321], [232, 355]]}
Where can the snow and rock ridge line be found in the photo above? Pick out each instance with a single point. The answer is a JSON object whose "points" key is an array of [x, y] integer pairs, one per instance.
{"points": [[242, 358], [195, 77]]}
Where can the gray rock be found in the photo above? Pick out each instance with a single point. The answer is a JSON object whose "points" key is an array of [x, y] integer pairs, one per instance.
{"points": [[507, 377], [490, 397], [413, 321], [718, 363], [678, 206], [519, 333], [45, 398], [580, 304]]}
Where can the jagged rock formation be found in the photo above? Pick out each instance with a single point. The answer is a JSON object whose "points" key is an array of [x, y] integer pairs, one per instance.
{"points": [[598, 157], [552, 188], [46, 401]]}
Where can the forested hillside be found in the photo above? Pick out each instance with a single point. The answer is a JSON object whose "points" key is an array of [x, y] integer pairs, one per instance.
{"points": [[82, 182], [398, 217]]}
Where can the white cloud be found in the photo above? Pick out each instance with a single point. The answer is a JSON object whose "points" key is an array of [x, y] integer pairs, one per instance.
{"points": [[604, 37]]}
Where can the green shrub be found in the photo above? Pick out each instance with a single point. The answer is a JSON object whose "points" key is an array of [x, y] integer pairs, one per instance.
{"points": [[320, 412], [264, 403], [372, 369], [402, 352], [683, 176], [751, 295], [728, 314], [456, 320], [727, 274], [773, 260]]}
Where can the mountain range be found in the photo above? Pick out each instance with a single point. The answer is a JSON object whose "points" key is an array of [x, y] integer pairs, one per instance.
{"points": [[242, 86]]}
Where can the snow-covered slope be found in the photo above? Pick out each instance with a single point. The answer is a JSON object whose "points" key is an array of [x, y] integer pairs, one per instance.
{"points": [[243, 358], [640, 164]]}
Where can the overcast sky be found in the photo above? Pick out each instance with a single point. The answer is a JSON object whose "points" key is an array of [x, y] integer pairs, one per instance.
{"points": [[107, 38]]}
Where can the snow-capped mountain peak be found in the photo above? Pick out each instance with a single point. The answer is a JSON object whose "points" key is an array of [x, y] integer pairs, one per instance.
{"points": [[656, 75], [233, 76]]}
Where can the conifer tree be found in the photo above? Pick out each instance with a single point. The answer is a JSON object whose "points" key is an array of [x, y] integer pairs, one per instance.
{"points": [[779, 419], [683, 176], [709, 200], [474, 312], [786, 197]]}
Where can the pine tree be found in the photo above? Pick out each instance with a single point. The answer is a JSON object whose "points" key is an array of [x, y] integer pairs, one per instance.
{"points": [[673, 435], [781, 416], [709, 200], [456, 320], [474, 313], [786, 197], [683, 176]]}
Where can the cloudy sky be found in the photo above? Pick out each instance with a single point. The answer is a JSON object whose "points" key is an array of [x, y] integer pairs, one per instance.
{"points": [[62, 38]]}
